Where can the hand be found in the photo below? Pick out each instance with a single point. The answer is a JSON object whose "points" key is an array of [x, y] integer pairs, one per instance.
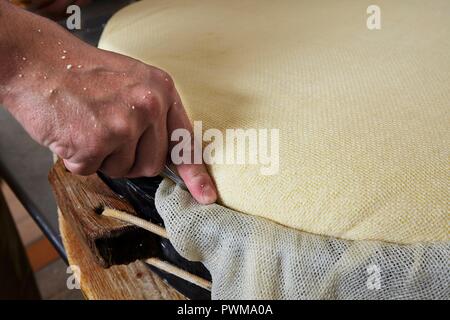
{"points": [[98, 110]]}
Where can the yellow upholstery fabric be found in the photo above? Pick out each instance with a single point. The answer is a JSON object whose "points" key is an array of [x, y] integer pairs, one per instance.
{"points": [[363, 115]]}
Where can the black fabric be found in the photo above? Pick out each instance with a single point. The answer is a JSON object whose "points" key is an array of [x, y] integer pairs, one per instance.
{"points": [[140, 193]]}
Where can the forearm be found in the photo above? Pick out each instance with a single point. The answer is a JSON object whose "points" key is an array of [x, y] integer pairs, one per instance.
{"points": [[9, 46], [32, 49]]}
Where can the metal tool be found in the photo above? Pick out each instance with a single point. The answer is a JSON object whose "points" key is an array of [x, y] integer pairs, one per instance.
{"points": [[172, 175]]}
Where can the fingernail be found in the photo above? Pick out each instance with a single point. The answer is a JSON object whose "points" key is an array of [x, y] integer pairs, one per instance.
{"points": [[208, 194]]}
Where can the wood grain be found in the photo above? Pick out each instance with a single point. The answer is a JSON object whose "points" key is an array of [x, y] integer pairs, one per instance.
{"points": [[134, 281], [81, 200]]}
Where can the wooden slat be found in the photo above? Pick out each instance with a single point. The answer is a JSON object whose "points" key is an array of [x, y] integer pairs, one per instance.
{"points": [[134, 281], [81, 200]]}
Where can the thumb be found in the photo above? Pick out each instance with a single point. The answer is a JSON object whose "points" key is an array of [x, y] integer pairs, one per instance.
{"points": [[194, 175]]}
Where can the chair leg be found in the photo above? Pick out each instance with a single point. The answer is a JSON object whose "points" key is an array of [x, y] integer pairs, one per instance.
{"points": [[16, 275]]}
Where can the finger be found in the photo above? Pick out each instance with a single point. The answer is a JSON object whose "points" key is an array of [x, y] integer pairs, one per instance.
{"points": [[119, 163], [84, 168], [151, 152], [195, 176], [89, 157], [199, 183]]}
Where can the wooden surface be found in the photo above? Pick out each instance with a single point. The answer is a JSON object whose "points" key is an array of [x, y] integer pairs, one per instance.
{"points": [[93, 242], [134, 281], [81, 200]]}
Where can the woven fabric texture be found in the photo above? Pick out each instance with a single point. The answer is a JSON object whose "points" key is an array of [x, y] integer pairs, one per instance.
{"points": [[363, 114], [253, 258], [359, 208]]}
